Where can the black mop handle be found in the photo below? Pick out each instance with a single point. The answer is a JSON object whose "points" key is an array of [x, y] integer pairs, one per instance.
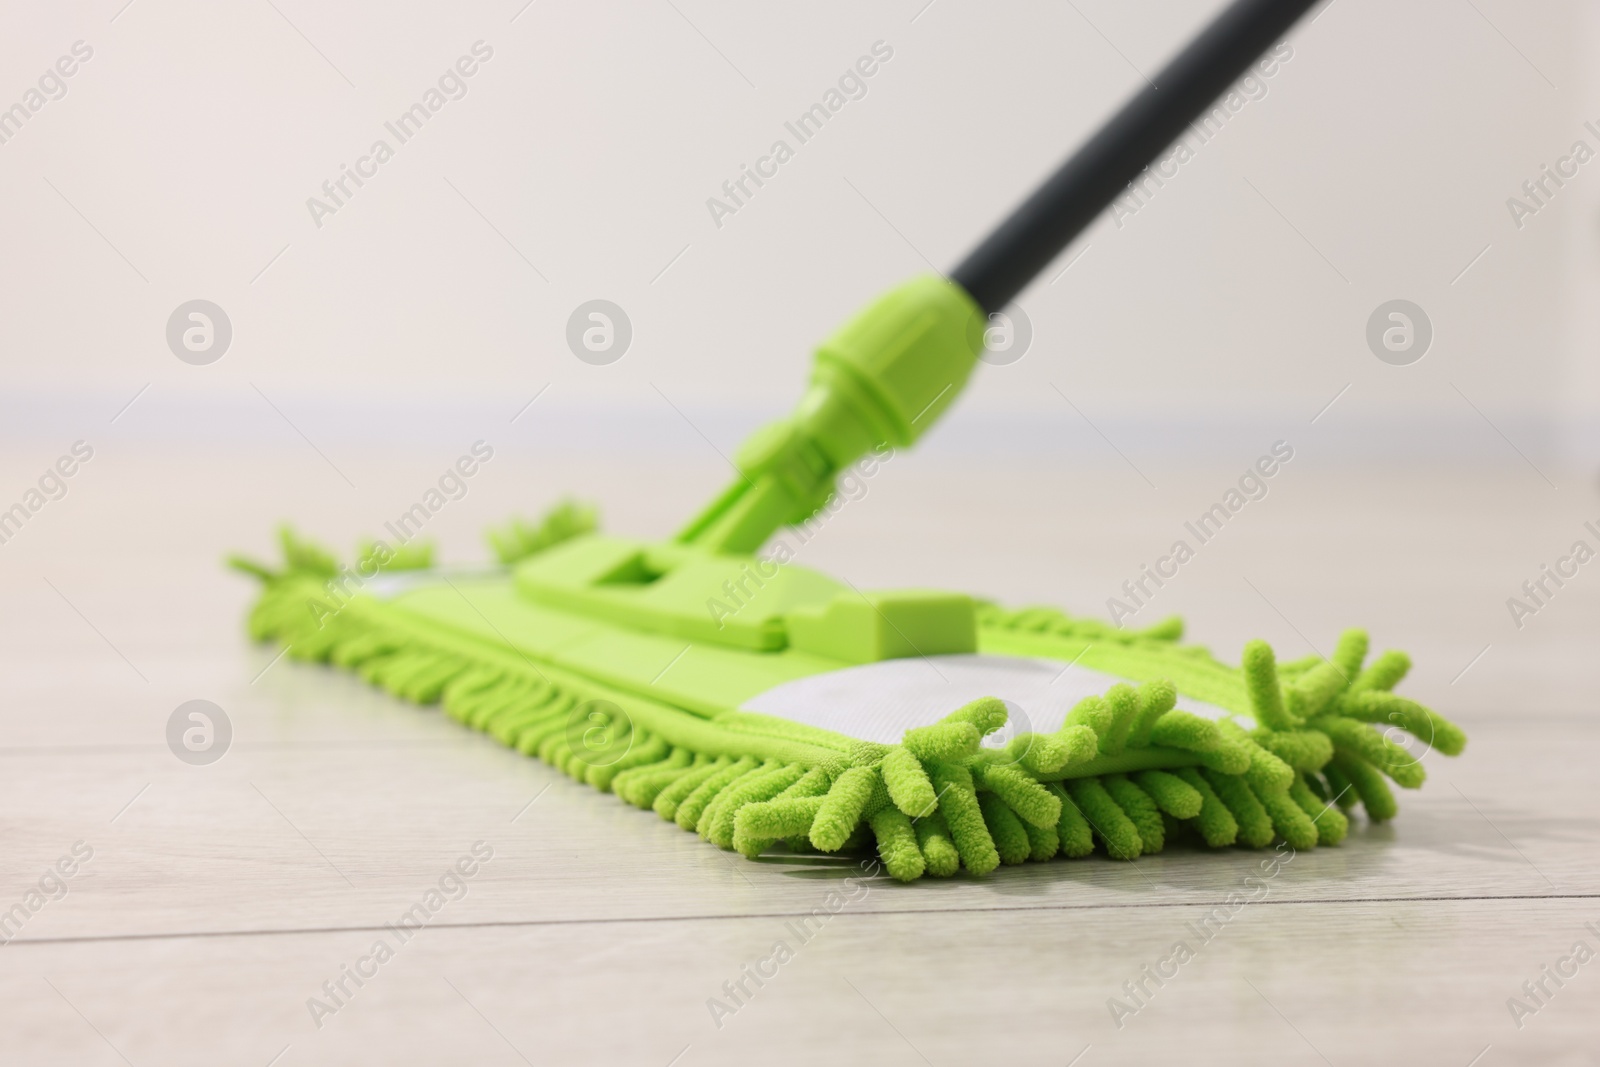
{"points": [[1070, 199]]}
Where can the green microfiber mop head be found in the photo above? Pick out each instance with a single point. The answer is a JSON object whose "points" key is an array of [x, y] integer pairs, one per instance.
{"points": [[658, 720], [759, 703]]}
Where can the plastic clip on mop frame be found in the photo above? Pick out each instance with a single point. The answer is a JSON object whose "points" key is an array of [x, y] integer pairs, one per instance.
{"points": [[809, 714]]}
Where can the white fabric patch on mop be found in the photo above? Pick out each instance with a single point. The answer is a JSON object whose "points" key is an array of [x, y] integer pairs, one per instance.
{"points": [[881, 701], [393, 584]]}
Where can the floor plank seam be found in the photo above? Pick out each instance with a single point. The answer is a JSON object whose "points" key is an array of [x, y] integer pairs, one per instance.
{"points": [[734, 917]]}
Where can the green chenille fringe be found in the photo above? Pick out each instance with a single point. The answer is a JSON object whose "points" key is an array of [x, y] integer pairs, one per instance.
{"points": [[518, 538], [1125, 774]]}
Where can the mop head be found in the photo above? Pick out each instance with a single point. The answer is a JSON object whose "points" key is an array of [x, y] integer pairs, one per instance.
{"points": [[765, 706]]}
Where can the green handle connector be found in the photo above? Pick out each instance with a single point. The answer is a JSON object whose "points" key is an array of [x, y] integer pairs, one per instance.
{"points": [[883, 378]]}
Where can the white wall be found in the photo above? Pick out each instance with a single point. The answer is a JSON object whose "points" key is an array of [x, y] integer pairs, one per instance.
{"points": [[1227, 312]]}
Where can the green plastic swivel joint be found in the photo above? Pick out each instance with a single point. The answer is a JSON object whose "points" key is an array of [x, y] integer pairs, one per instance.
{"points": [[883, 378]]}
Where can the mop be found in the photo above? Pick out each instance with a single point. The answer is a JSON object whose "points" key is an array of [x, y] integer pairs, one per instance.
{"points": [[766, 706]]}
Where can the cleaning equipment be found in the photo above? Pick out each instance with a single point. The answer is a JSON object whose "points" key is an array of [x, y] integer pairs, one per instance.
{"points": [[766, 705]]}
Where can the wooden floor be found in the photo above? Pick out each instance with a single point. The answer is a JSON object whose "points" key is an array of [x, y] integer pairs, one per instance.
{"points": [[219, 899]]}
